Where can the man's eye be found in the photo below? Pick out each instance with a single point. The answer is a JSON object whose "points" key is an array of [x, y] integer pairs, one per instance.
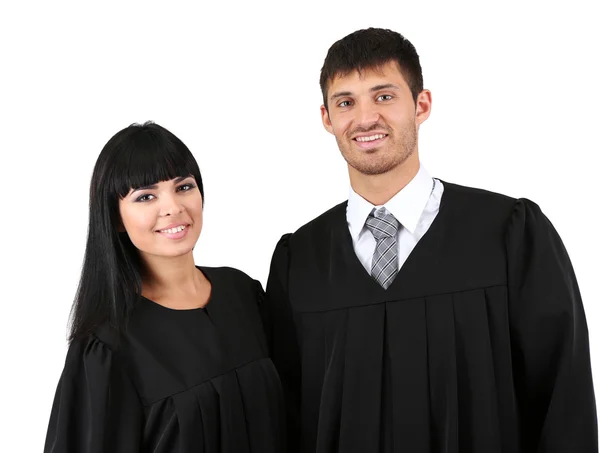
{"points": [[384, 97], [344, 104]]}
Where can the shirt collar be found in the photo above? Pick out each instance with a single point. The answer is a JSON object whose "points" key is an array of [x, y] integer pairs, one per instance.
{"points": [[407, 205]]}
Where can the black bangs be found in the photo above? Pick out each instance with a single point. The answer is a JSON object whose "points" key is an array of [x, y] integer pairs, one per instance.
{"points": [[147, 155]]}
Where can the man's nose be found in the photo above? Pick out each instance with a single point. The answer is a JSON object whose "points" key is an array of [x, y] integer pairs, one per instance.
{"points": [[367, 114]]}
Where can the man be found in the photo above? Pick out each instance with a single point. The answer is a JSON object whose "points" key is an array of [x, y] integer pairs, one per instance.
{"points": [[422, 316]]}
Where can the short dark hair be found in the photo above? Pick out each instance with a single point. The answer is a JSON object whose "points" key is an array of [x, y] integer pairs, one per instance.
{"points": [[110, 282], [371, 48]]}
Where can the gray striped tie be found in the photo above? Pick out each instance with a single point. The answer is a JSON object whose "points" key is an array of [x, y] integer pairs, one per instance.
{"points": [[384, 227]]}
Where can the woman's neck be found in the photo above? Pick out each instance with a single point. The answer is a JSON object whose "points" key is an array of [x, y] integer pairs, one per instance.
{"points": [[171, 275]]}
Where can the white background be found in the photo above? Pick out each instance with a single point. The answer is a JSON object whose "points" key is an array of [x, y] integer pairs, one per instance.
{"points": [[515, 110]]}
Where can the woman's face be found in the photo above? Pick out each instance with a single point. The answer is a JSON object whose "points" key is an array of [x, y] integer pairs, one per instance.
{"points": [[165, 219]]}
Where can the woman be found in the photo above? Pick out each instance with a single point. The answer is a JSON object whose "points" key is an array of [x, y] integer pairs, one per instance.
{"points": [[164, 356]]}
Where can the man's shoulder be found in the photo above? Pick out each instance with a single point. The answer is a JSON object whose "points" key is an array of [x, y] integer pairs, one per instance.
{"points": [[477, 201], [324, 221], [477, 194], [467, 202]]}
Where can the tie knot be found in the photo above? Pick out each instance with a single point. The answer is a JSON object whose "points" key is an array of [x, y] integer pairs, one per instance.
{"points": [[382, 224]]}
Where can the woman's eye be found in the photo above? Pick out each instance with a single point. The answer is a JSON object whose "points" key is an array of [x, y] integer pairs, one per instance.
{"points": [[186, 187], [144, 198]]}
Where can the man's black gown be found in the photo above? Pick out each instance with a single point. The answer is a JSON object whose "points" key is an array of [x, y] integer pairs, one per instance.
{"points": [[479, 345]]}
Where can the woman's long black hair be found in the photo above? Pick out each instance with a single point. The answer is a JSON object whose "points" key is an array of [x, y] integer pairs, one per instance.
{"points": [[110, 283]]}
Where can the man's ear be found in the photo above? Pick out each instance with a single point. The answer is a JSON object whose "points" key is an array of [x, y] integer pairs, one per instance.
{"points": [[423, 106], [326, 120]]}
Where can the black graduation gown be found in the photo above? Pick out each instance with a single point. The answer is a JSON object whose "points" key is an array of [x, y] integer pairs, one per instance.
{"points": [[479, 345], [178, 381]]}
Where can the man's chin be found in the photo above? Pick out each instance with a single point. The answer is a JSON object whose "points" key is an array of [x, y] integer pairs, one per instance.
{"points": [[372, 168]]}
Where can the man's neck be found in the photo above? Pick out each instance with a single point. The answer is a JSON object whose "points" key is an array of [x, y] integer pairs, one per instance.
{"points": [[379, 189]]}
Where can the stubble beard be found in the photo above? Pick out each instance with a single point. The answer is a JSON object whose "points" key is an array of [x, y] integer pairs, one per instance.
{"points": [[379, 161]]}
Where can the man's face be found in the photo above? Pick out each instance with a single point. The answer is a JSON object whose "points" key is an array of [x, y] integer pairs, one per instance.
{"points": [[374, 118]]}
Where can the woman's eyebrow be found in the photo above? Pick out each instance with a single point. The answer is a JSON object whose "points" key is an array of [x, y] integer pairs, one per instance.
{"points": [[154, 186]]}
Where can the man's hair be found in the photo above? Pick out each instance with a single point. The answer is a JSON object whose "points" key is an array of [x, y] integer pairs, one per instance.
{"points": [[370, 49]]}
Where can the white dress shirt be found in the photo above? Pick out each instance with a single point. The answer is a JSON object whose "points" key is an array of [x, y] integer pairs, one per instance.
{"points": [[415, 207]]}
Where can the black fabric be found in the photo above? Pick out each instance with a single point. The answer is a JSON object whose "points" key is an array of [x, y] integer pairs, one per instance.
{"points": [[177, 381], [479, 345]]}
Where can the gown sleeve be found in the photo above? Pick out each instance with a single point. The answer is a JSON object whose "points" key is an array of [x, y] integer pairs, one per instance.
{"points": [[551, 359], [96, 408], [282, 340]]}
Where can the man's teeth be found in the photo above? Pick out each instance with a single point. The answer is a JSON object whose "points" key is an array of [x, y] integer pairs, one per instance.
{"points": [[174, 230], [370, 138]]}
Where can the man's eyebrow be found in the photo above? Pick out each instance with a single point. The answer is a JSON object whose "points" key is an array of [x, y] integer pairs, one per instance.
{"points": [[386, 86], [340, 94], [154, 186]]}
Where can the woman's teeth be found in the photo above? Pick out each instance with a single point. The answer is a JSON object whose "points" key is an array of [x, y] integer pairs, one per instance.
{"points": [[173, 230]]}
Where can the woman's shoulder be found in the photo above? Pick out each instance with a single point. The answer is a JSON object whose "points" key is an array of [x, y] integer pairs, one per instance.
{"points": [[96, 346], [232, 281], [227, 274], [103, 336]]}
